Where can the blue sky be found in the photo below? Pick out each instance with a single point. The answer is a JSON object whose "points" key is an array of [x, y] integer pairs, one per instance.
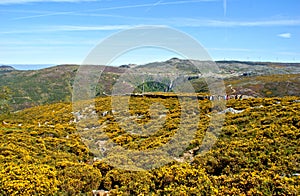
{"points": [[65, 31]]}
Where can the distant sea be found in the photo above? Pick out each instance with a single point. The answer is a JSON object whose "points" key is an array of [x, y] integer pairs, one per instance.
{"points": [[30, 66]]}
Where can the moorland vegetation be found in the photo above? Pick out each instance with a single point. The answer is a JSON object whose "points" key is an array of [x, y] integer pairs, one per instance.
{"points": [[256, 153]]}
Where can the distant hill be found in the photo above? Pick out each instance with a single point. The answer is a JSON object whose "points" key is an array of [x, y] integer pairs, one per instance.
{"points": [[6, 68], [227, 68], [260, 63], [277, 85], [30, 88], [54, 84], [49, 85]]}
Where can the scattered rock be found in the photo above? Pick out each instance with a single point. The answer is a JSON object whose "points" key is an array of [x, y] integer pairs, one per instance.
{"points": [[231, 110], [100, 193]]}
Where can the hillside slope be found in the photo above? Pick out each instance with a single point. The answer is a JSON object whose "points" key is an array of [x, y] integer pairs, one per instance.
{"points": [[258, 79], [30, 88], [257, 151], [266, 86], [50, 85]]}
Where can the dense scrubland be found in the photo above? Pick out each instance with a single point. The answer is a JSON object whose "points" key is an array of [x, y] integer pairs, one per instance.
{"points": [[256, 153], [57, 148]]}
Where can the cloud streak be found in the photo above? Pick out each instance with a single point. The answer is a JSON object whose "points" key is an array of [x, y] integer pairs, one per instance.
{"points": [[149, 5], [62, 28], [90, 28], [154, 5], [285, 35], [3, 2], [175, 22], [191, 22], [225, 7]]}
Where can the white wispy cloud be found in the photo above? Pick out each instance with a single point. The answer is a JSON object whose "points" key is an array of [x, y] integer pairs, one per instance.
{"points": [[175, 22], [90, 28], [154, 5], [149, 5], [192, 22], [44, 15], [61, 28], [285, 35], [225, 7], [34, 1], [48, 42], [171, 22]]}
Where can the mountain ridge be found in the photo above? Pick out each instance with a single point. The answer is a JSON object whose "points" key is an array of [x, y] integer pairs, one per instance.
{"points": [[54, 84]]}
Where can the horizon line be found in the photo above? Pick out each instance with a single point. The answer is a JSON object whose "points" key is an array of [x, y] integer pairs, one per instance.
{"points": [[49, 65]]}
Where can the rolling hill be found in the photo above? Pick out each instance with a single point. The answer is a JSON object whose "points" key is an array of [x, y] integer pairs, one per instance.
{"points": [[54, 84]]}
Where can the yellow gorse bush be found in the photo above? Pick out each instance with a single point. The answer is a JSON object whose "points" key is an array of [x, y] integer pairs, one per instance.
{"points": [[257, 151]]}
